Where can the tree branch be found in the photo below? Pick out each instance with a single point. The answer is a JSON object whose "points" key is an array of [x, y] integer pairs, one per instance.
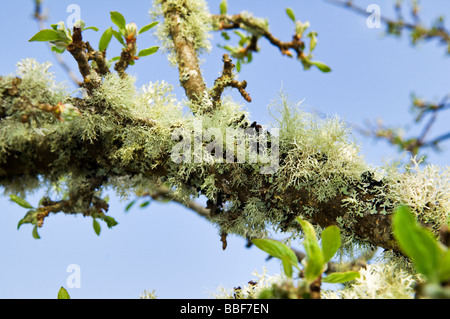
{"points": [[227, 79], [188, 64], [41, 19]]}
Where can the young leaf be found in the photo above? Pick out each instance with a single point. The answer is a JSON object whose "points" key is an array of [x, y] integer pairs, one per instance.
{"points": [[331, 241], [119, 37], [63, 294], [223, 7], [321, 66], [96, 226], [341, 277], [148, 51], [130, 204], [118, 19], [225, 35], [105, 39], [35, 233], [58, 49], [238, 65], [444, 267], [91, 28], [313, 41], [147, 27], [116, 58], [290, 14], [79, 24], [278, 250], [110, 221], [29, 218], [315, 260], [287, 266], [417, 243], [20, 201], [46, 35], [144, 204]]}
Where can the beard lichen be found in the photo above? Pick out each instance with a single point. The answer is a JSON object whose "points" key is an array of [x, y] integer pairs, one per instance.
{"points": [[126, 136], [194, 23]]}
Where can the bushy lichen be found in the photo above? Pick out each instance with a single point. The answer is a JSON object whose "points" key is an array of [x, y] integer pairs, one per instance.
{"points": [[126, 136], [194, 23], [377, 281]]}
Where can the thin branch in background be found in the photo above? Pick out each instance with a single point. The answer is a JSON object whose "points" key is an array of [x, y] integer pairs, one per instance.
{"points": [[41, 18], [418, 31]]}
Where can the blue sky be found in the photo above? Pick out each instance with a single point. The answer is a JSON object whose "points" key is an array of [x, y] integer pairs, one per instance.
{"points": [[166, 247]]}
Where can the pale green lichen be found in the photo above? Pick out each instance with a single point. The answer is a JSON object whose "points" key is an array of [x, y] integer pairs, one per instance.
{"points": [[377, 281], [194, 23], [317, 156], [250, 290]]}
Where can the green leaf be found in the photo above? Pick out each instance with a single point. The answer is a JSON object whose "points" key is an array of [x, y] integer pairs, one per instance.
{"points": [[29, 218], [46, 35], [444, 267], [116, 58], [118, 19], [321, 66], [331, 241], [278, 250], [238, 65], [313, 41], [96, 226], [63, 294], [144, 204], [225, 35], [148, 51], [105, 39], [91, 28], [119, 37], [147, 27], [58, 49], [130, 204], [110, 221], [79, 24], [314, 256], [287, 266], [223, 7], [290, 14], [341, 277], [35, 233], [20, 201], [416, 242]]}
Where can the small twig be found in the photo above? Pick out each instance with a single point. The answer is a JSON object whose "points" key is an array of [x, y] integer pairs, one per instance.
{"points": [[78, 50], [237, 21], [99, 58], [427, 34], [126, 56], [40, 19], [227, 79]]}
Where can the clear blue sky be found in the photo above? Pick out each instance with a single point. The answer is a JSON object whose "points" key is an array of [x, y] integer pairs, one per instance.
{"points": [[166, 247]]}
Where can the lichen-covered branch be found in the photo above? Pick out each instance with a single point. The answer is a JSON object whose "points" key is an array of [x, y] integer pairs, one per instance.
{"points": [[240, 21], [40, 17], [227, 79], [126, 140], [186, 52], [395, 26], [99, 58]]}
